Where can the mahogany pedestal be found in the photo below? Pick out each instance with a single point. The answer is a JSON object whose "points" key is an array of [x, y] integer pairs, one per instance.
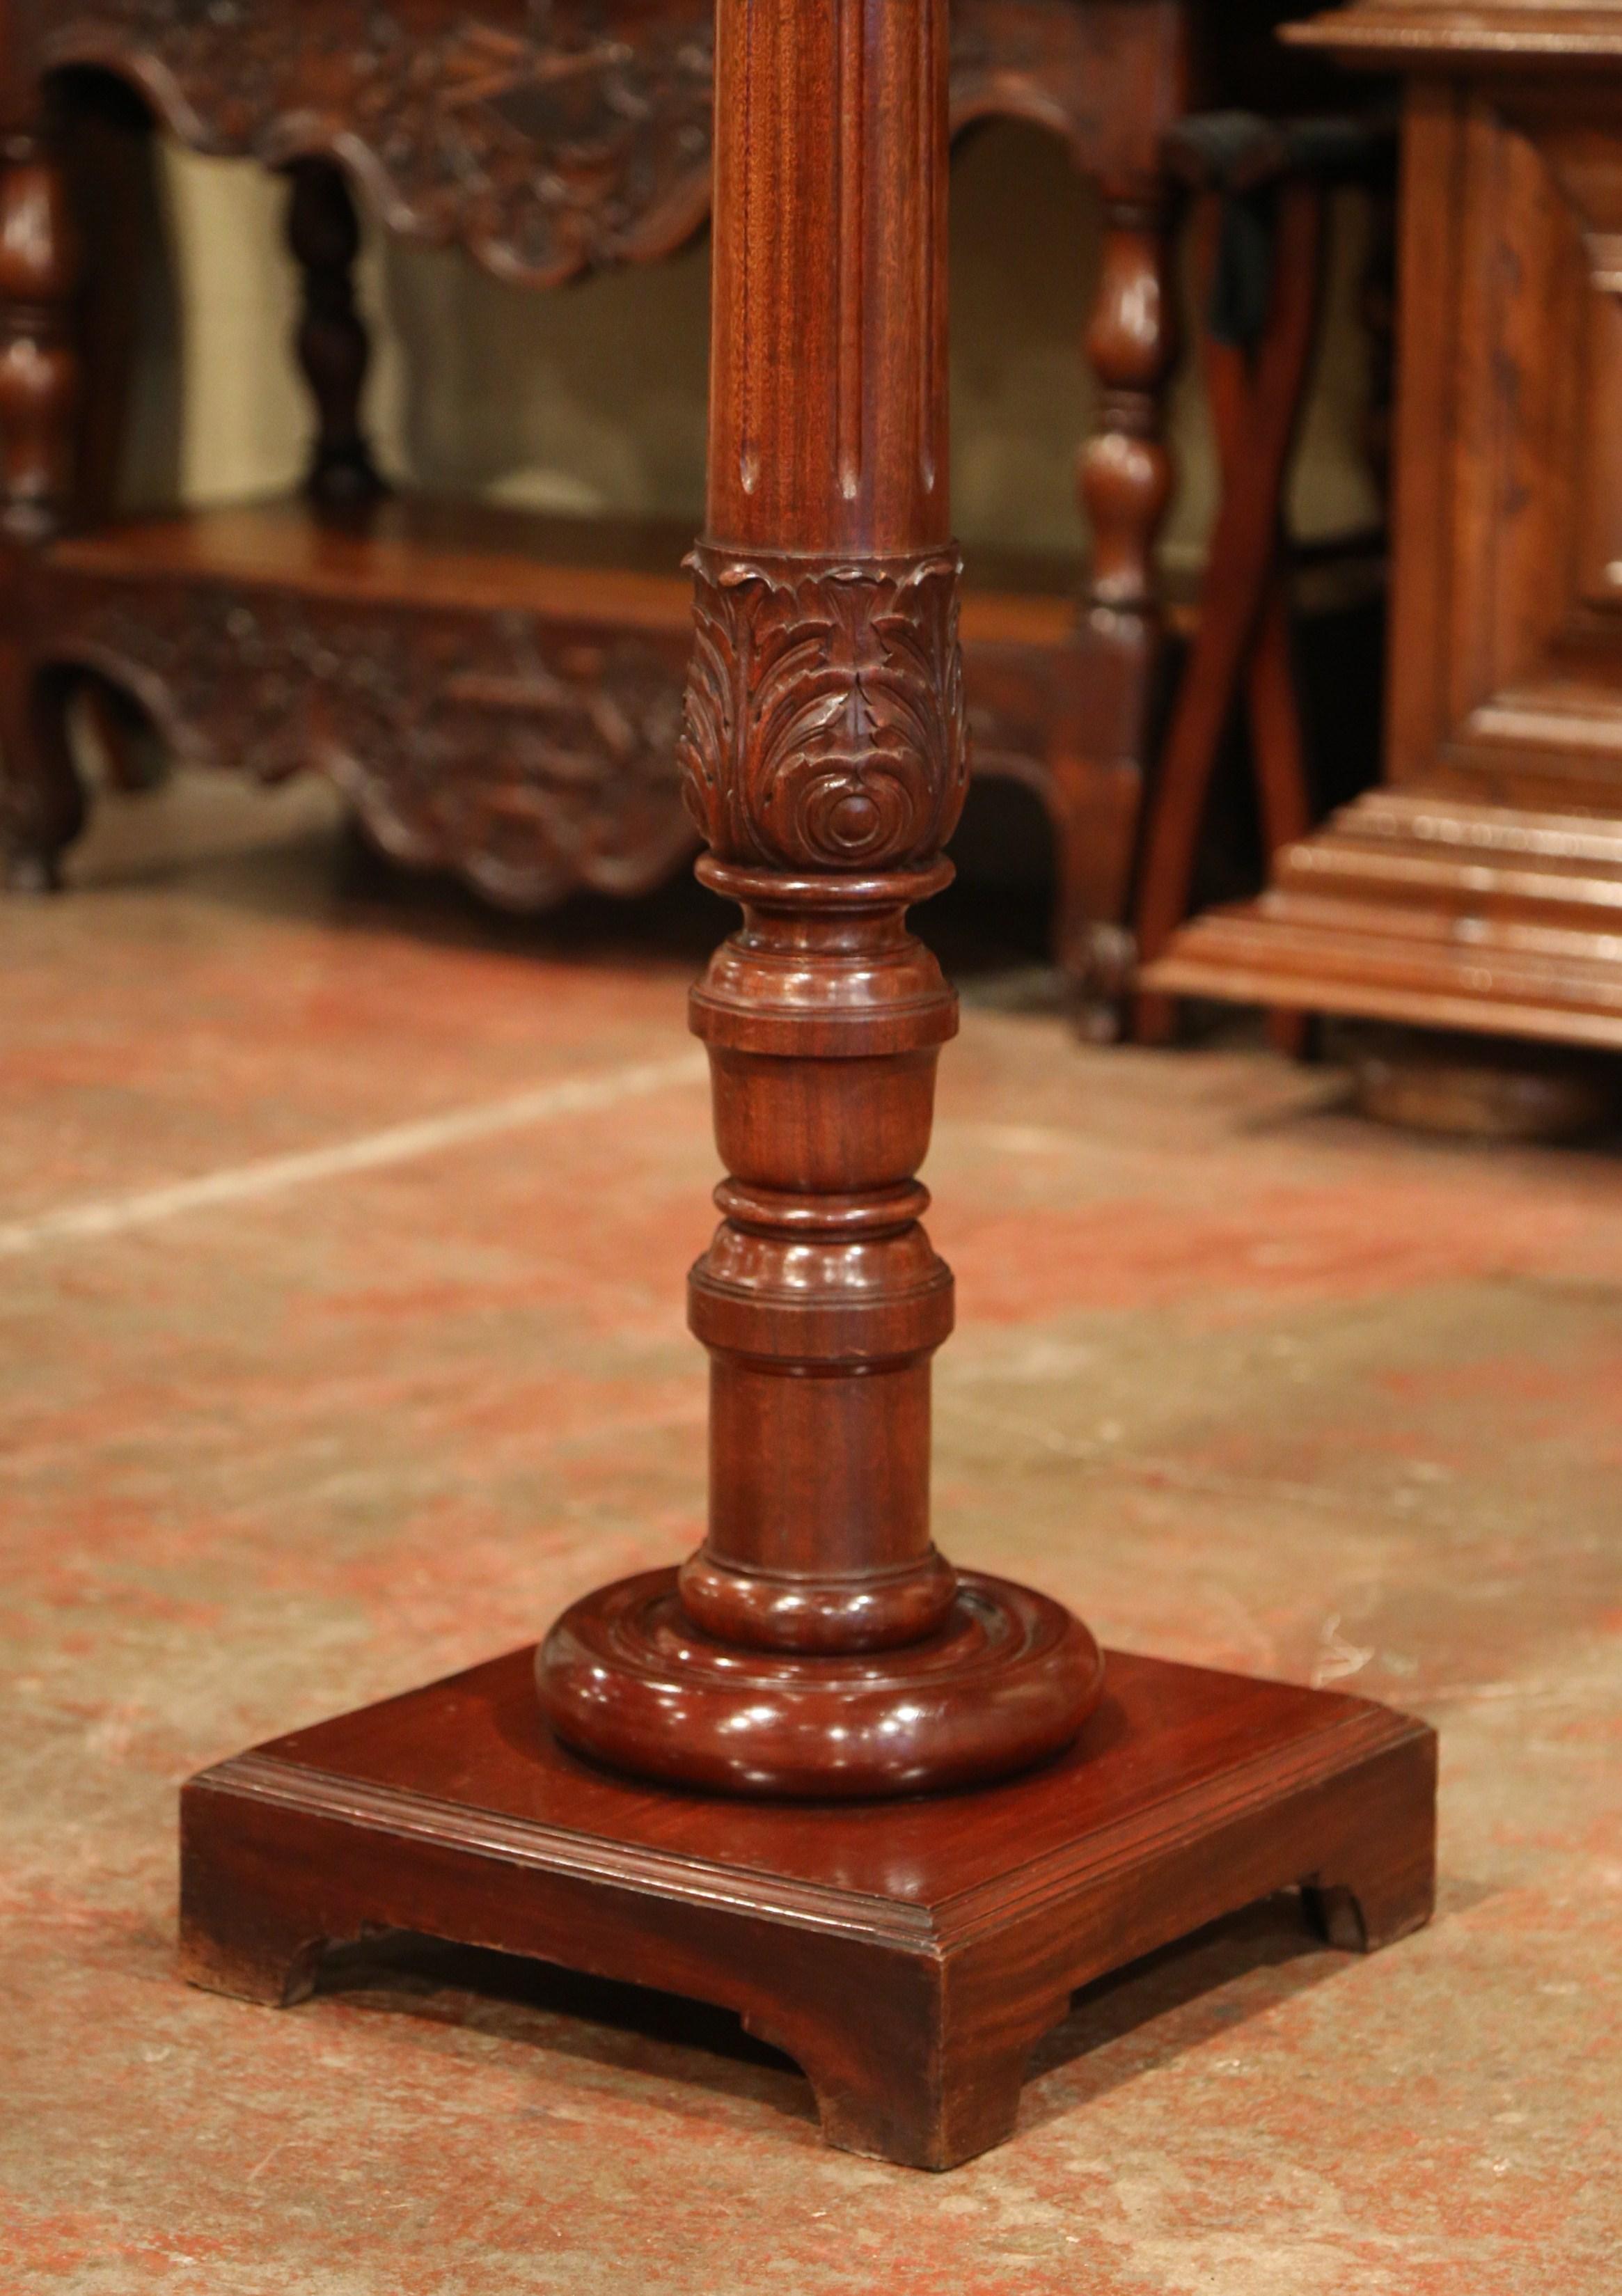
{"points": [[792, 1694], [908, 1955]]}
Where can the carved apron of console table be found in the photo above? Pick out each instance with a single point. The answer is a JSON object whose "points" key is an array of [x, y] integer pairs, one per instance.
{"points": [[486, 705], [1482, 886]]}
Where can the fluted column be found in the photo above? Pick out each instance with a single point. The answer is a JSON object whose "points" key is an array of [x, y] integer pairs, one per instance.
{"points": [[825, 760], [817, 1643]]}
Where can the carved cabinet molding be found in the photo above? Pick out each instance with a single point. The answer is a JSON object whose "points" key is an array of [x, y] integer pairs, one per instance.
{"points": [[549, 136], [525, 756], [542, 136]]}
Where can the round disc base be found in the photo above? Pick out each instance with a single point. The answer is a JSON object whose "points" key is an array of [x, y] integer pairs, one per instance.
{"points": [[1006, 1681]]}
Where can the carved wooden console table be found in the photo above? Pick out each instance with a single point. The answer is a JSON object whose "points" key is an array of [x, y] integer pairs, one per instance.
{"points": [[891, 1813], [1481, 887], [499, 694]]}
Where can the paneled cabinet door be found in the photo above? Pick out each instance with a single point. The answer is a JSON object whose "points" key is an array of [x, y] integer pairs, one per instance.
{"points": [[1509, 632]]}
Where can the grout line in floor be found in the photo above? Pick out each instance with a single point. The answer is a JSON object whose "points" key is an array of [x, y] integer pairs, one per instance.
{"points": [[397, 1144]]}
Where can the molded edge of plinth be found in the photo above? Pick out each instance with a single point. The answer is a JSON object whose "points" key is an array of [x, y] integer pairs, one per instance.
{"points": [[1356, 1735], [263, 1777]]}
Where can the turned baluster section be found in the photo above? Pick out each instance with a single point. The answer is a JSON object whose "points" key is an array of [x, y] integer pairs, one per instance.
{"points": [[817, 1645], [39, 366], [821, 1299], [825, 760], [1124, 478], [1125, 475], [334, 349]]}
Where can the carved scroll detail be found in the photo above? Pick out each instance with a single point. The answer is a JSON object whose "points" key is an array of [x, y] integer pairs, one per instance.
{"points": [[824, 723], [544, 139], [528, 761]]}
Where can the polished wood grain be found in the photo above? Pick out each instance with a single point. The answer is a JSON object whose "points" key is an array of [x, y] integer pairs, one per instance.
{"points": [[825, 755], [908, 1955], [891, 1813], [1512, 32], [1479, 889]]}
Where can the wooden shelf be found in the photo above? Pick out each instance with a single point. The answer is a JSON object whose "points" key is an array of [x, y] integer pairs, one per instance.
{"points": [[438, 551], [1491, 32], [498, 692], [435, 550]]}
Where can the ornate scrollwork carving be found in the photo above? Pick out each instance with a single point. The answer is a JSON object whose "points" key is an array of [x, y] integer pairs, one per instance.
{"points": [[528, 760], [825, 724], [543, 137]]}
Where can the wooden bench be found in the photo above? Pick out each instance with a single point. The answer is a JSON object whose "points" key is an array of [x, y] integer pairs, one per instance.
{"points": [[499, 696]]}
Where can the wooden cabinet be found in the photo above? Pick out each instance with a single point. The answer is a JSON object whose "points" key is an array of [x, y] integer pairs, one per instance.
{"points": [[1481, 885]]}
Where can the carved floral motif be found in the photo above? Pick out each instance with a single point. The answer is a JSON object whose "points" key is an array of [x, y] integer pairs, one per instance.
{"points": [[824, 723], [549, 136], [526, 760], [545, 135]]}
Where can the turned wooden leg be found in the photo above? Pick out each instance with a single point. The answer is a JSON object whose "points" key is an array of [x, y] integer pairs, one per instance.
{"points": [[334, 349], [818, 1643], [39, 371], [42, 797], [1124, 473], [41, 804], [1124, 478]]}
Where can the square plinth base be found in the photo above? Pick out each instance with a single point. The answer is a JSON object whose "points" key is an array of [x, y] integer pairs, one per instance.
{"points": [[906, 1955]]}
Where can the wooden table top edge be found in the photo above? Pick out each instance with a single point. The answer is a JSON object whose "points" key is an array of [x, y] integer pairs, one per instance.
{"points": [[1402, 31]]}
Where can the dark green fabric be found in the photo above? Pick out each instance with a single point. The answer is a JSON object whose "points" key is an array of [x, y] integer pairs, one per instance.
{"points": [[1242, 285], [1245, 158]]}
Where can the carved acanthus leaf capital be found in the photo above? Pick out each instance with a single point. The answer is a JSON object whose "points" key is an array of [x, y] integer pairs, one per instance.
{"points": [[825, 724]]}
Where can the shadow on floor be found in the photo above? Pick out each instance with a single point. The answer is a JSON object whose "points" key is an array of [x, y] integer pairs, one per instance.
{"points": [[1169, 2003], [318, 862]]}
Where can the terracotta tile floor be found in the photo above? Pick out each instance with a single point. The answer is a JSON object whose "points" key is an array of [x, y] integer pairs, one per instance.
{"points": [[1249, 1383]]}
